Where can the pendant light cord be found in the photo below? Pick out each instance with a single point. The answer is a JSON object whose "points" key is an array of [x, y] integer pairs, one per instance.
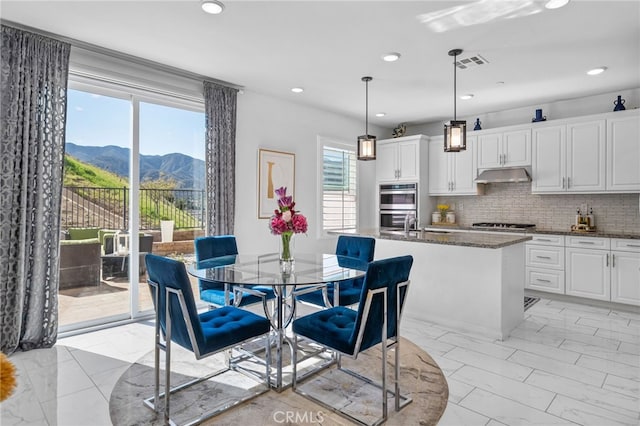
{"points": [[454, 87], [366, 108]]}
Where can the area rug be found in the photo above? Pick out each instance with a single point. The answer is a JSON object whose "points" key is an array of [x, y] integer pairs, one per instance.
{"points": [[420, 377]]}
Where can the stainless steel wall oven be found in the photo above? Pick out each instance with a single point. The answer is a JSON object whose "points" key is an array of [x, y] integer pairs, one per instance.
{"points": [[396, 201]]}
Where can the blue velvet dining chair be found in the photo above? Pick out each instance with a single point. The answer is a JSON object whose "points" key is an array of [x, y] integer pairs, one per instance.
{"points": [[215, 293], [350, 332], [177, 321], [355, 252]]}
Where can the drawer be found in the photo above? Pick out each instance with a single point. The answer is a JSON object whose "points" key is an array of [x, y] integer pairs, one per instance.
{"points": [[625, 245], [589, 242], [547, 240], [545, 280], [544, 256]]}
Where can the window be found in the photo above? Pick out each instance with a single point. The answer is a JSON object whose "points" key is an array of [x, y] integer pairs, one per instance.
{"points": [[339, 201]]}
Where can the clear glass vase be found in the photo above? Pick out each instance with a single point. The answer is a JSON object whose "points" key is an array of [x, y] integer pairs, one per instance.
{"points": [[287, 245]]}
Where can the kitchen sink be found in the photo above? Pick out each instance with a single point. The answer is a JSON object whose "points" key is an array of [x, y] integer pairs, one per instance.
{"points": [[412, 233]]}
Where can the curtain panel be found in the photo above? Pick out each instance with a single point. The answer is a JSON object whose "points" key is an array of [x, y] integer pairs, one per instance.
{"points": [[220, 157], [33, 88]]}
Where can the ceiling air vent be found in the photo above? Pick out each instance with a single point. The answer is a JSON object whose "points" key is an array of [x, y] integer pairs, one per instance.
{"points": [[471, 62]]}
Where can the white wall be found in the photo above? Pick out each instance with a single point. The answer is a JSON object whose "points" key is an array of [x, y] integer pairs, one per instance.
{"points": [[268, 122], [552, 110]]}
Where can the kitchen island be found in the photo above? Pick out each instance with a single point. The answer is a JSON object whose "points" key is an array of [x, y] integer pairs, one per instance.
{"points": [[471, 282]]}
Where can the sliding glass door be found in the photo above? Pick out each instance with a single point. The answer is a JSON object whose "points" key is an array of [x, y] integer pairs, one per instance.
{"points": [[133, 161]]}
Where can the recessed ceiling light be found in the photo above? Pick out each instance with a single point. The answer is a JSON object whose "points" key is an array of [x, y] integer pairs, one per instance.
{"points": [[391, 57], [466, 97], [555, 4], [381, 114], [297, 89], [597, 71], [214, 7]]}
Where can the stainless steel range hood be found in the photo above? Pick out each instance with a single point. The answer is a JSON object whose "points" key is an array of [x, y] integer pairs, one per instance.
{"points": [[515, 174]]}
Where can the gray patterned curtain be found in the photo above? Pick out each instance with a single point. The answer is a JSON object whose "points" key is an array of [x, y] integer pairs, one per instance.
{"points": [[33, 92], [220, 110]]}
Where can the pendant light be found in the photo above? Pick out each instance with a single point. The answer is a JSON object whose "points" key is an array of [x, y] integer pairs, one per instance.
{"points": [[366, 142], [455, 133]]}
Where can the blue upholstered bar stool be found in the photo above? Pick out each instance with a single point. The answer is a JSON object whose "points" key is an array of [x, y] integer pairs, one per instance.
{"points": [[350, 332], [217, 294], [209, 333], [356, 252]]}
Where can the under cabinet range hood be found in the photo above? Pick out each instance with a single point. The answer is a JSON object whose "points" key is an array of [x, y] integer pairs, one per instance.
{"points": [[515, 174]]}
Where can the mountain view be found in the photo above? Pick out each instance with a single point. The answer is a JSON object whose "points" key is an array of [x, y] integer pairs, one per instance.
{"points": [[188, 172]]}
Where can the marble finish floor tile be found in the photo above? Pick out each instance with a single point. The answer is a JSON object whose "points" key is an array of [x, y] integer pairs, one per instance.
{"points": [[586, 357]]}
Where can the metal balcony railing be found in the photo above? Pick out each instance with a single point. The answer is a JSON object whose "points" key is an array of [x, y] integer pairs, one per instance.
{"points": [[109, 207]]}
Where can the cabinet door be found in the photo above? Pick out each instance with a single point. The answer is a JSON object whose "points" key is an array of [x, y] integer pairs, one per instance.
{"points": [[409, 161], [489, 151], [439, 180], [548, 162], [462, 170], [516, 148], [623, 153], [625, 277], [587, 273], [387, 162], [586, 156]]}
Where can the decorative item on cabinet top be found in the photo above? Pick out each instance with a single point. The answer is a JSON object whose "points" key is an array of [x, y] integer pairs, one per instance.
{"points": [[619, 103], [539, 117], [399, 131], [478, 123]]}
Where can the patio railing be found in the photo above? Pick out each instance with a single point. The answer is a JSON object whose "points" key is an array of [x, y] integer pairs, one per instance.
{"points": [[109, 207]]}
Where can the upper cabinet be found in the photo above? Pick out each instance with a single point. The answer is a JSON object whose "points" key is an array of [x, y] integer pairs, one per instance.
{"points": [[623, 151], [569, 157], [587, 155], [399, 159], [452, 173], [504, 149]]}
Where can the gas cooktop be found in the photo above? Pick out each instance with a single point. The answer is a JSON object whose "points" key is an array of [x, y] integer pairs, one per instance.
{"points": [[503, 225]]}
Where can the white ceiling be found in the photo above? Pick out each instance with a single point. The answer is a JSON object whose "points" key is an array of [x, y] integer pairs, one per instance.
{"points": [[327, 46]]}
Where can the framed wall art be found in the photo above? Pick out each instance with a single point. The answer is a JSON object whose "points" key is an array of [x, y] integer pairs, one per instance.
{"points": [[275, 169]]}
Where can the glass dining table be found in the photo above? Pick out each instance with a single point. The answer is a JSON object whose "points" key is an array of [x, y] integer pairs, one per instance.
{"points": [[308, 269]]}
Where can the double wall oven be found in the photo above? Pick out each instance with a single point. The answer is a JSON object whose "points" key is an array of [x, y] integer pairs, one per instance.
{"points": [[397, 200]]}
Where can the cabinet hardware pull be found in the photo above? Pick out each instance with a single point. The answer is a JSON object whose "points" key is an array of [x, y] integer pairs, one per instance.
{"points": [[543, 239], [632, 245], [607, 259], [586, 242], [543, 257], [563, 181], [543, 281], [568, 182], [613, 260]]}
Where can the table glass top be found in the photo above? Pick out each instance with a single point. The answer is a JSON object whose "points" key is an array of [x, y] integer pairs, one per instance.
{"points": [[308, 268]]}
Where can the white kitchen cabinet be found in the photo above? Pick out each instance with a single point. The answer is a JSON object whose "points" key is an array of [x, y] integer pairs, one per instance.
{"points": [[625, 271], [399, 159], [504, 149], [588, 267], [588, 274], [569, 157], [545, 263], [451, 173], [623, 151]]}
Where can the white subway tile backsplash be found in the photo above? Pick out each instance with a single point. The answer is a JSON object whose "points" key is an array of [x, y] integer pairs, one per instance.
{"points": [[514, 202]]}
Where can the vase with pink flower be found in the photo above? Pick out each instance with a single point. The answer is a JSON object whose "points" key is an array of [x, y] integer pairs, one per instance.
{"points": [[286, 222]]}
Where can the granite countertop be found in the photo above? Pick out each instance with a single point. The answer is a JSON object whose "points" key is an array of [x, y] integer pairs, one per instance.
{"points": [[600, 234], [466, 239]]}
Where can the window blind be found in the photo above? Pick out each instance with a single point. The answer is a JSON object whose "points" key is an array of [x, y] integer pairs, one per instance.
{"points": [[339, 189]]}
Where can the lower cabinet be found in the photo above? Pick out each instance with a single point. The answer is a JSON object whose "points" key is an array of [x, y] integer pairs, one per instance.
{"points": [[589, 267], [588, 273]]}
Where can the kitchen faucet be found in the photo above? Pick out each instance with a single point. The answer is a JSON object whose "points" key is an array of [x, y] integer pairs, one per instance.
{"points": [[410, 219]]}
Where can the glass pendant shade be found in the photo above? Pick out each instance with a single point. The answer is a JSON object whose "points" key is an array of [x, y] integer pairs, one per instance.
{"points": [[455, 136], [366, 142], [455, 133], [366, 147]]}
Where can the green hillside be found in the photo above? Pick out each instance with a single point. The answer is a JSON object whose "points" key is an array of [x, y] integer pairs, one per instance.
{"points": [[105, 189]]}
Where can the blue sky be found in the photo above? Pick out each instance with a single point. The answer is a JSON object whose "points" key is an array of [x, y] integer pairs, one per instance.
{"points": [[95, 120]]}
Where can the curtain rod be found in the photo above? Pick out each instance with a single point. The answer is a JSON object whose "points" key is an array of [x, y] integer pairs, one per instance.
{"points": [[120, 55]]}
